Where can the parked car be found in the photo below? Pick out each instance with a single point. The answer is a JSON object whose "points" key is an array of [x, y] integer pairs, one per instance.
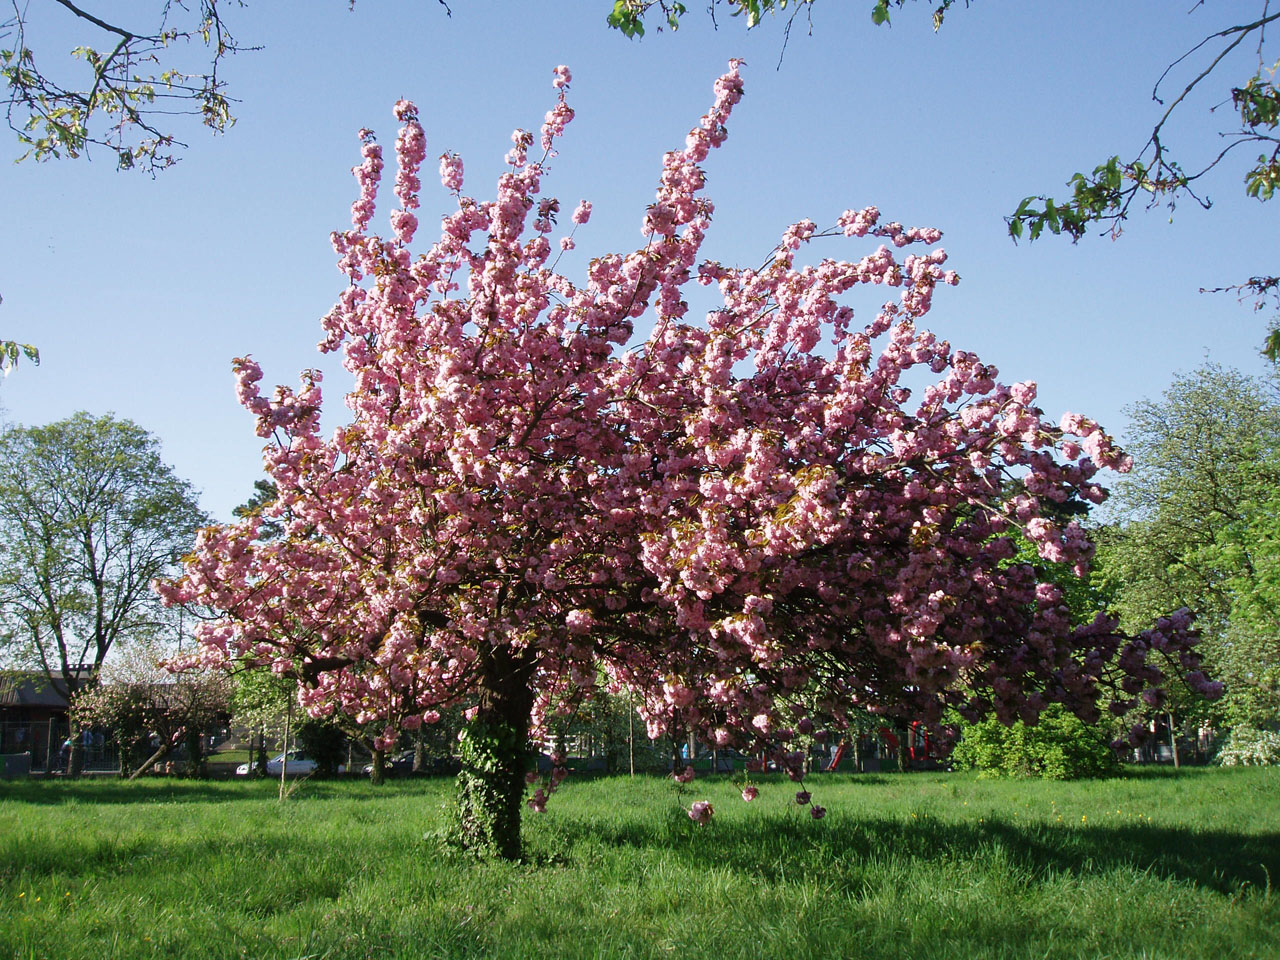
{"points": [[298, 765]]}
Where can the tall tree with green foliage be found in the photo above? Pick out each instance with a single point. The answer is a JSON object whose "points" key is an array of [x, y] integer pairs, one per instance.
{"points": [[90, 515], [1249, 654], [1192, 518], [1200, 452]]}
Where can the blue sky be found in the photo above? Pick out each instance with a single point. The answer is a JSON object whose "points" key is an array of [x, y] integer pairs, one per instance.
{"points": [[139, 291]]}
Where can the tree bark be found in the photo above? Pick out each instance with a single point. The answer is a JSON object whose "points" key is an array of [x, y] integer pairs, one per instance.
{"points": [[495, 754], [378, 769], [1173, 741], [75, 762], [284, 758], [150, 761], [196, 767]]}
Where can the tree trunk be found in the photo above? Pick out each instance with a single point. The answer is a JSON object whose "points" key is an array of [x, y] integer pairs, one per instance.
{"points": [[284, 758], [262, 751], [75, 762], [149, 762], [495, 753], [903, 733], [419, 753], [1173, 741], [196, 768], [378, 770]]}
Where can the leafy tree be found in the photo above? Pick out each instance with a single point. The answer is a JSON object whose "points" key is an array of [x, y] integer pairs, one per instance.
{"points": [[264, 495], [1248, 654], [89, 517], [1188, 524], [1201, 452], [518, 508], [260, 701]]}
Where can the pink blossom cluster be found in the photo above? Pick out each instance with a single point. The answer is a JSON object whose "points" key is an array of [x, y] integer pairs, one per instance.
{"points": [[731, 517], [544, 788]]}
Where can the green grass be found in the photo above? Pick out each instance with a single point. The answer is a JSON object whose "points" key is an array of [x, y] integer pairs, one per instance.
{"points": [[936, 866]]}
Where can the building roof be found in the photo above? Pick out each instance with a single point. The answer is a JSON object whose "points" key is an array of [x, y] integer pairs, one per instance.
{"points": [[31, 688]]}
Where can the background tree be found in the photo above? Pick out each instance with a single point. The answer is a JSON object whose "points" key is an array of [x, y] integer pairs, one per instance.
{"points": [[1201, 452], [89, 517], [152, 712], [260, 702], [518, 508], [1189, 528], [1248, 655]]}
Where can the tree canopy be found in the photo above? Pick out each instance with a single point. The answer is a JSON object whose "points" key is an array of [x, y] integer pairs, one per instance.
{"points": [[1195, 527], [742, 524], [89, 516]]}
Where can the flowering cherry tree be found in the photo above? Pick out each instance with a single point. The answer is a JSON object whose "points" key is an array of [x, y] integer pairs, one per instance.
{"points": [[748, 519]]}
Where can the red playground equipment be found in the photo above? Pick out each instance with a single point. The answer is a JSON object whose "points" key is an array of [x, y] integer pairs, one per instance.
{"points": [[918, 747]]}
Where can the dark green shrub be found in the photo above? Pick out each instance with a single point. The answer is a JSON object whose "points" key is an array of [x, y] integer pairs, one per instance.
{"points": [[1059, 747], [324, 742]]}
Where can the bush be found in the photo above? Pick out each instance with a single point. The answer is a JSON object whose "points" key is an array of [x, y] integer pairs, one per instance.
{"points": [[1250, 747], [1059, 747], [324, 742]]}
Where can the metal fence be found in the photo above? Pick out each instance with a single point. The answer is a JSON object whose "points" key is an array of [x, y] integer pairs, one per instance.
{"points": [[47, 744]]}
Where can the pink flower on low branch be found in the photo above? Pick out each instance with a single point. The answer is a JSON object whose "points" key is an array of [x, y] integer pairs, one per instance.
{"points": [[701, 812], [749, 793], [800, 504]]}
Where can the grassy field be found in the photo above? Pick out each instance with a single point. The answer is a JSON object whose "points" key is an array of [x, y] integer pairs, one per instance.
{"points": [[930, 866]]}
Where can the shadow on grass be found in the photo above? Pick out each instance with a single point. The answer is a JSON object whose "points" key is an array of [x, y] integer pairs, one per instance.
{"points": [[168, 790], [786, 846]]}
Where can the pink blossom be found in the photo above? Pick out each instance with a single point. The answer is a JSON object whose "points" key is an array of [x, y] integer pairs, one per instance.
{"points": [[701, 812], [451, 172], [749, 793], [562, 487]]}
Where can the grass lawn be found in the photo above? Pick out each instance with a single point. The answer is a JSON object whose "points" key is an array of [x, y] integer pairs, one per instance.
{"points": [[928, 866]]}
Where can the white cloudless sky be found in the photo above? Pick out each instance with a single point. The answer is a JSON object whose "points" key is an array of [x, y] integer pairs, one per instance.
{"points": [[139, 292]]}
